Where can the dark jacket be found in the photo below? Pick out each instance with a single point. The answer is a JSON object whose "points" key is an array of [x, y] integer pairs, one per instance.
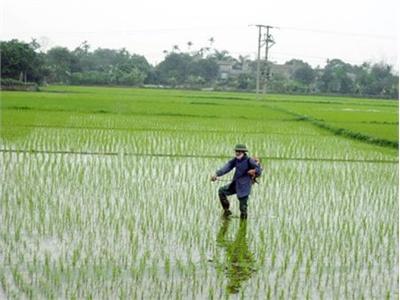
{"points": [[241, 179]]}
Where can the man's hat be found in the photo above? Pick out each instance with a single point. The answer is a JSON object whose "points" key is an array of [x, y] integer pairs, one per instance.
{"points": [[241, 147]]}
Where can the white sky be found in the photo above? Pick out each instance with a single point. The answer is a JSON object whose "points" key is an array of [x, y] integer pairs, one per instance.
{"points": [[352, 30]]}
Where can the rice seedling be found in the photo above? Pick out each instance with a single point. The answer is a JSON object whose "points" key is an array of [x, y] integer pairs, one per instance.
{"points": [[118, 203]]}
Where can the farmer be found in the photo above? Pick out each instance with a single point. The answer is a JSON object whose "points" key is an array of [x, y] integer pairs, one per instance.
{"points": [[246, 169]]}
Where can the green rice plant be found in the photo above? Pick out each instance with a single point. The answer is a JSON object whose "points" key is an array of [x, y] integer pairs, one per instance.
{"points": [[105, 193]]}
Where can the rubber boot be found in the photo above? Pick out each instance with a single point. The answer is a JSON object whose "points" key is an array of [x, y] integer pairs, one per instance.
{"points": [[243, 207], [225, 205], [227, 212]]}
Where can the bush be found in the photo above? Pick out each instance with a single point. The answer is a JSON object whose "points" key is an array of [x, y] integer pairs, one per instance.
{"points": [[116, 77], [16, 85], [90, 77]]}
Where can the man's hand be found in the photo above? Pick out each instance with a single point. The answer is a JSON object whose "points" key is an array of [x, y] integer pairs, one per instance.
{"points": [[214, 178], [252, 172]]}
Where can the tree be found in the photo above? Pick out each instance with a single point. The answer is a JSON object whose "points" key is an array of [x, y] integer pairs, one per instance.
{"points": [[377, 79], [175, 48], [304, 74], [133, 77], [101, 66], [245, 82], [20, 61], [301, 71], [221, 55], [337, 77], [62, 63], [206, 68], [212, 41], [174, 68], [190, 44], [24, 61]]}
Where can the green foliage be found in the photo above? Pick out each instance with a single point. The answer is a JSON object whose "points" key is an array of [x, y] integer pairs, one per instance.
{"points": [[203, 68], [7, 83], [20, 61], [90, 78], [304, 74], [100, 67], [174, 68], [61, 63], [336, 77], [245, 82], [132, 77], [183, 68]]}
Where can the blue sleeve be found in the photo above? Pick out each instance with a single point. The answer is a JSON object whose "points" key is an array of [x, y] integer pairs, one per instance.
{"points": [[254, 165], [226, 168]]}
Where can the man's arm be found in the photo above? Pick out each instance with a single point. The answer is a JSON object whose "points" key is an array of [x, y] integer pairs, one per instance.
{"points": [[226, 168]]}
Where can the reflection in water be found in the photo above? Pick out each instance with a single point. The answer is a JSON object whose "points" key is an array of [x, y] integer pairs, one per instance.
{"points": [[239, 260]]}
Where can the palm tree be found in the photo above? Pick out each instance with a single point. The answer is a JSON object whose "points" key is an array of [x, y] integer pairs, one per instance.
{"points": [[243, 61], [221, 55], [175, 48], [211, 40], [190, 44], [201, 52]]}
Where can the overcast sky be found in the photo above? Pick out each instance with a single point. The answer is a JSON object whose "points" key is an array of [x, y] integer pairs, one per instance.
{"points": [[312, 30]]}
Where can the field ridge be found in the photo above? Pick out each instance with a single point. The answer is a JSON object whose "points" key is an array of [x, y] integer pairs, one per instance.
{"points": [[340, 131]]}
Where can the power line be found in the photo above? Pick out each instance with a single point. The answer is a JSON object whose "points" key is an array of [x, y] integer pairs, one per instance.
{"points": [[195, 28], [132, 30], [214, 28], [313, 57], [352, 34]]}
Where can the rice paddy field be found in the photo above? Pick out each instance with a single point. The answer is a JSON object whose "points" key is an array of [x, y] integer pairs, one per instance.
{"points": [[106, 193]]}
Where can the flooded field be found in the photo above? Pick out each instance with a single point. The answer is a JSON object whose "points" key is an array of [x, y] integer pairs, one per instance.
{"points": [[106, 193]]}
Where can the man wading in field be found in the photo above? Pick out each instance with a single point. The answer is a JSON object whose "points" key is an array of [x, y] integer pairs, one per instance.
{"points": [[246, 169]]}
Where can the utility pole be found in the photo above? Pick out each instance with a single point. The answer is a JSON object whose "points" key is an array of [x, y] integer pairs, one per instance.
{"points": [[268, 42], [258, 60]]}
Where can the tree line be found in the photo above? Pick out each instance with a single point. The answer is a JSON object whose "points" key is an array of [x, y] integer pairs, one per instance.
{"points": [[206, 67]]}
